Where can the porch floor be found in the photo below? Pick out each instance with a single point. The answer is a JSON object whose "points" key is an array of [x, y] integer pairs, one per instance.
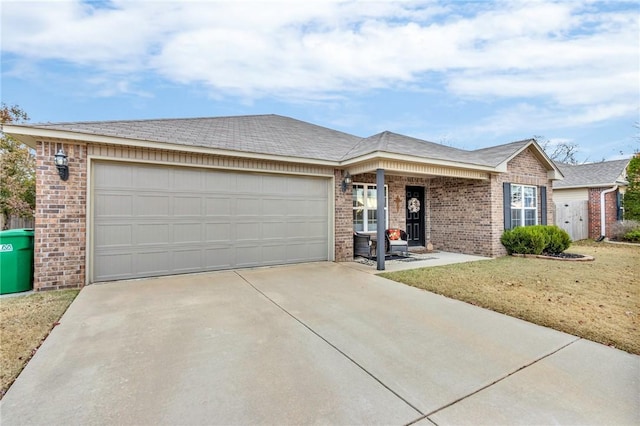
{"points": [[418, 258]]}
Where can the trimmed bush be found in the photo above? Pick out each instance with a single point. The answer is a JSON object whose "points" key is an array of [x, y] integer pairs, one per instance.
{"points": [[559, 240], [525, 240], [536, 239]]}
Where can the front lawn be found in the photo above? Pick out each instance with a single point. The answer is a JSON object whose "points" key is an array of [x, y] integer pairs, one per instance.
{"points": [[25, 321], [598, 300]]}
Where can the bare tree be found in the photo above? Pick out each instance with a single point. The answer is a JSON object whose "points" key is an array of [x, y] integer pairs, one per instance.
{"points": [[562, 152]]}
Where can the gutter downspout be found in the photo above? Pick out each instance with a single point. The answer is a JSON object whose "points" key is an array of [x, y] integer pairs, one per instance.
{"points": [[603, 212]]}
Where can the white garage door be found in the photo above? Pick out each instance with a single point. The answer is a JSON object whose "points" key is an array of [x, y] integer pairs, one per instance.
{"points": [[156, 220]]}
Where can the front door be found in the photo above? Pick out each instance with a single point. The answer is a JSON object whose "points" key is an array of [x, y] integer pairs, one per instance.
{"points": [[415, 215]]}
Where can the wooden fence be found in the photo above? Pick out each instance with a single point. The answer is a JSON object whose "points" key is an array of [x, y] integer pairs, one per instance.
{"points": [[573, 217], [17, 222]]}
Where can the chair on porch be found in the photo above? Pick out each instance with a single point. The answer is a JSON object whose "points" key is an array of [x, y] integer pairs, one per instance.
{"points": [[362, 245], [396, 241]]}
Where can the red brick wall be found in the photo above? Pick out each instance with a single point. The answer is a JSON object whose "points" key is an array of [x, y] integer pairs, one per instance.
{"points": [[611, 212], [60, 219], [397, 214], [467, 215], [524, 169], [461, 215], [343, 220]]}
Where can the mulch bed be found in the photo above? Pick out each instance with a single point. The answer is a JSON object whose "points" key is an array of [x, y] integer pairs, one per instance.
{"points": [[572, 257]]}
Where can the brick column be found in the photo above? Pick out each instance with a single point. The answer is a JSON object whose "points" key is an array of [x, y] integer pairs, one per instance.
{"points": [[60, 218], [343, 220], [610, 211]]}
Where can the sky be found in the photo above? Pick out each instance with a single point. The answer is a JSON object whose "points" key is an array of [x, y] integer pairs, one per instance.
{"points": [[467, 74]]}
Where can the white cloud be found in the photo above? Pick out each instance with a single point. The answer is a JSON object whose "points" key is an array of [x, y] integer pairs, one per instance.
{"points": [[571, 54]]}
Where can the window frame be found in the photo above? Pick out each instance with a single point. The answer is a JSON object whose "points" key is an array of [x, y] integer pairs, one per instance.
{"points": [[365, 214], [521, 210]]}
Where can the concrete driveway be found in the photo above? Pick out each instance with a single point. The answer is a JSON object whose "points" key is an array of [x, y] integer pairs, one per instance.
{"points": [[310, 344]]}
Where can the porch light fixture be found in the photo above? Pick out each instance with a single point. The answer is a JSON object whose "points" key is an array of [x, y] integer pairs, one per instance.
{"points": [[62, 163], [346, 181]]}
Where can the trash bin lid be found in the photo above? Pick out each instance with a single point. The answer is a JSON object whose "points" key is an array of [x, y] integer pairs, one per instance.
{"points": [[16, 232]]}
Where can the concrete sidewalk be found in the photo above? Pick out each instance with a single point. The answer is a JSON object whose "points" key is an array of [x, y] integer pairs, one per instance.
{"points": [[314, 343]]}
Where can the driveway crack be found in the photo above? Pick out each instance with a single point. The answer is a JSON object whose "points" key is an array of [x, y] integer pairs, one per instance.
{"points": [[535, 361], [308, 327]]}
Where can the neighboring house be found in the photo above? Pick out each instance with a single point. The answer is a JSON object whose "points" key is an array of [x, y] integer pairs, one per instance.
{"points": [[158, 197], [579, 197]]}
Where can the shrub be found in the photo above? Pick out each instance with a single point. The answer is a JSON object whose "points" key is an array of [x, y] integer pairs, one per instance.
{"points": [[559, 240], [525, 240], [621, 228], [536, 239], [633, 236]]}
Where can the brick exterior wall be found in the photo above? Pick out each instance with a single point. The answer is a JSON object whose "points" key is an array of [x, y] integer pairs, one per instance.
{"points": [[461, 211], [524, 169], [397, 205], [610, 212], [463, 215], [60, 218], [343, 220]]}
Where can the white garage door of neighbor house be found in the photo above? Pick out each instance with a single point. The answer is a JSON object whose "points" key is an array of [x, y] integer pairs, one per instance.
{"points": [[154, 220]]}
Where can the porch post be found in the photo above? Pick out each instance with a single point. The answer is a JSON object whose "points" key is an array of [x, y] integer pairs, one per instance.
{"points": [[382, 220]]}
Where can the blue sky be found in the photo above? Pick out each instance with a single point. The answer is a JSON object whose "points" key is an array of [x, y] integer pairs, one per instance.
{"points": [[468, 74]]}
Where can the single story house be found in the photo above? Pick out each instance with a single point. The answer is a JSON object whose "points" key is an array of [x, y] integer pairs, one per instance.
{"points": [[159, 197], [589, 198]]}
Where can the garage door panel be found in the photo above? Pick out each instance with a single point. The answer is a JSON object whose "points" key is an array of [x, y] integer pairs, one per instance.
{"points": [[188, 180], [151, 205], [274, 230], [248, 206], [115, 235], [217, 206], [247, 183], [274, 207], [216, 232], [152, 233], [150, 263], [218, 258], [190, 220], [151, 177], [275, 185], [187, 206], [116, 176], [248, 255], [274, 254], [115, 205], [219, 182], [112, 266], [248, 231], [187, 260]]}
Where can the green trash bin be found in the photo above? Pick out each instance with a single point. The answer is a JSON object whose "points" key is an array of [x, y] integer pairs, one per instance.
{"points": [[16, 260]]}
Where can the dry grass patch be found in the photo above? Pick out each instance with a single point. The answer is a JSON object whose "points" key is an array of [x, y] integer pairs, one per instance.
{"points": [[25, 321], [597, 300]]}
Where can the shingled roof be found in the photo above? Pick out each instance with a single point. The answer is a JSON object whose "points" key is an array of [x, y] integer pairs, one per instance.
{"points": [[280, 136], [593, 175], [261, 134]]}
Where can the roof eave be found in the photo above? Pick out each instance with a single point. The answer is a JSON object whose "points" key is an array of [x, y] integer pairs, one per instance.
{"points": [[553, 172], [413, 159], [30, 136], [593, 185]]}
